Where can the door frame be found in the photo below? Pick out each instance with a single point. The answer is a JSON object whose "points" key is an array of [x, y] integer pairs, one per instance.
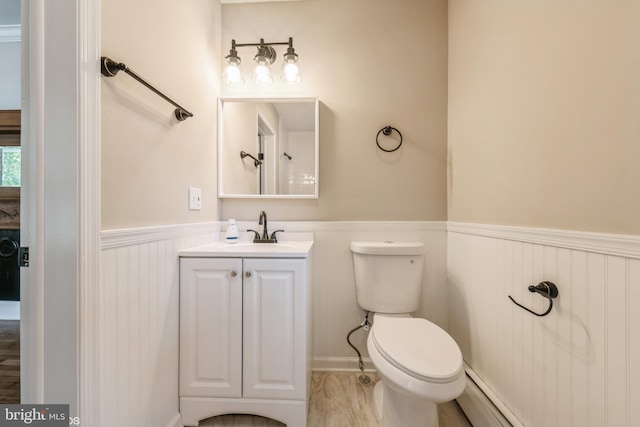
{"points": [[60, 205]]}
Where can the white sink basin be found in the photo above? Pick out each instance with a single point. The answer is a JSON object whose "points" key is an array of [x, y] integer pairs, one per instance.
{"points": [[242, 245], [287, 249]]}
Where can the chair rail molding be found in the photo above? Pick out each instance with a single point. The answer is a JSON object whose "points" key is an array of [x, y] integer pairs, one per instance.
{"points": [[624, 245]]}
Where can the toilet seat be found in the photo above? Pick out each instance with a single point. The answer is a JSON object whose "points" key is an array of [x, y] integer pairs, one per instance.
{"points": [[418, 348]]}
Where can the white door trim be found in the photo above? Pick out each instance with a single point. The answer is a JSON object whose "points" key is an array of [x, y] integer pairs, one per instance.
{"points": [[31, 221], [61, 206], [89, 301]]}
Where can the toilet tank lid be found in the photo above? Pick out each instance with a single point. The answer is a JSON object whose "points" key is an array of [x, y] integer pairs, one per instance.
{"points": [[388, 248]]}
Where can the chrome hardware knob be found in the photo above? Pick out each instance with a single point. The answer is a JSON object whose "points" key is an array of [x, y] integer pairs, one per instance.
{"points": [[247, 274], [233, 273]]}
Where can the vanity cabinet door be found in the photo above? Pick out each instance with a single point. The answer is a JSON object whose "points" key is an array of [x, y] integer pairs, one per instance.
{"points": [[211, 327], [274, 328]]}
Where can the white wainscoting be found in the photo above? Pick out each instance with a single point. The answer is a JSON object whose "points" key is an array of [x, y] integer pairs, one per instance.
{"points": [[139, 324], [335, 307], [580, 365], [139, 296]]}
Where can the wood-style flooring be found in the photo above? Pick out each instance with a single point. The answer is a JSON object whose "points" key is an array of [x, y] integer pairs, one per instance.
{"points": [[338, 400], [9, 361]]}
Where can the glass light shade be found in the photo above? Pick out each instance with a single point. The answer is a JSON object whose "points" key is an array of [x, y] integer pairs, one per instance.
{"points": [[262, 72], [232, 74], [291, 72], [290, 69]]}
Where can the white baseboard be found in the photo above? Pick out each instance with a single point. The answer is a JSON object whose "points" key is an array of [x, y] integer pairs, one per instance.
{"points": [[341, 364], [176, 421]]}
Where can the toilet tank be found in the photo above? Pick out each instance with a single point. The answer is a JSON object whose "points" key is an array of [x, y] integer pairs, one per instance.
{"points": [[388, 275]]}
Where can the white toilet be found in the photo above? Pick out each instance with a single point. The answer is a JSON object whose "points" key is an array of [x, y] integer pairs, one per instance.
{"points": [[420, 365]]}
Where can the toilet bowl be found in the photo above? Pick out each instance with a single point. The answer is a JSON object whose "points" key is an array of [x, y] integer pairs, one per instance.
{"points": [[420, 365]]}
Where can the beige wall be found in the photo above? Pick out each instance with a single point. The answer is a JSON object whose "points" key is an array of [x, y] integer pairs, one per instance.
{"points": [[543, 100], [372, 63], [240, 176], [544, 103], [149, 159]]}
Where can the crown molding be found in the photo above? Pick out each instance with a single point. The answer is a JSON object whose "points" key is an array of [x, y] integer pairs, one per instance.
{"points": [[10, 33]]}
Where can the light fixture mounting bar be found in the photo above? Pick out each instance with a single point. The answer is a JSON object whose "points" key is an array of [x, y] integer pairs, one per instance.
{"points": [[262, 43]]}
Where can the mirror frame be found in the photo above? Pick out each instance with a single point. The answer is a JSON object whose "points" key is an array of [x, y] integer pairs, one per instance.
{"points": [[220, 150]]}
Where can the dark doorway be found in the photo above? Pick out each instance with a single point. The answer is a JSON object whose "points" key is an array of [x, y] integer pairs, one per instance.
{"points": [[9, 265]]}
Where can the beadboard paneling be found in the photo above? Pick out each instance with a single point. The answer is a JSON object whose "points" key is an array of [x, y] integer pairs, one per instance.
{"points": [[579, 365], [335, 307], [139, 296], [576, 367], [139, 365]]}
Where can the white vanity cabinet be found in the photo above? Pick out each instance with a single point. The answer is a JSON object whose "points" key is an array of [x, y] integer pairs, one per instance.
{"points": [[211, 327], [245, 337]]}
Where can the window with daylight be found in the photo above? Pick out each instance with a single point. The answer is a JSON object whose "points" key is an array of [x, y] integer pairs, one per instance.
{"points": [[10, 166]]}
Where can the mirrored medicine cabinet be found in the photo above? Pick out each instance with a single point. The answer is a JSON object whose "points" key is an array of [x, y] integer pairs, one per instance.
{"points": [[268, 147]]}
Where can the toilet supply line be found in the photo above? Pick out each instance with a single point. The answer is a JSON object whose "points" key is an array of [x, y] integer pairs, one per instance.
{"points": [[366, 325]]}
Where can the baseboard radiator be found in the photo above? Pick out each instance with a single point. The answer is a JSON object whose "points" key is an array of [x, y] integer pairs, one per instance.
{"points": [[482, 407]]}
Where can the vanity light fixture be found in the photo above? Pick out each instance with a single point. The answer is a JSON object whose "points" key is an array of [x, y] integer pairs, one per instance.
{"points": [[232, 74], [264, 58]]}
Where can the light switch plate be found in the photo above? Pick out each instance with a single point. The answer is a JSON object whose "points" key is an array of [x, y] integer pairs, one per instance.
{"points": [[195, 198]]}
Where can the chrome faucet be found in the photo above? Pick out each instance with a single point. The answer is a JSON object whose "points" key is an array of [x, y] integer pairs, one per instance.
{"points": [[265, 233]]}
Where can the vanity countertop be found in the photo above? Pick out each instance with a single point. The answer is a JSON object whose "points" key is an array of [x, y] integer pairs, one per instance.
{"points": [[282, 249]]}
